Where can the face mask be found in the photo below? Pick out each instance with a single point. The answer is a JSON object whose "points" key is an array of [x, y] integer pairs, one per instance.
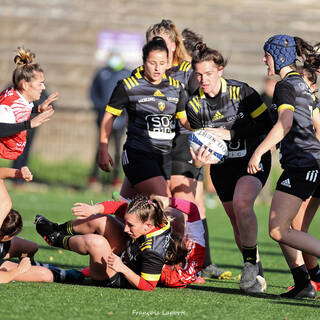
{"points": [[115, 63]]}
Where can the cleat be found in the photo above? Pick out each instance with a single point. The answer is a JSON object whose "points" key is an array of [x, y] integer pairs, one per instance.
{"points": [[199, 280], [296, 293], [48, 231], [213, 271], [259, 286], [249, 275]]}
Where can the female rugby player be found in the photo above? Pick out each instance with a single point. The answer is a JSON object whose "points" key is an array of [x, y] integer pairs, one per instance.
{"points": [[235, 112], [16, 104], [299, 148], [152, 103]]}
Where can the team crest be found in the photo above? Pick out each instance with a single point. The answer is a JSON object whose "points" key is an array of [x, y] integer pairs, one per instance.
{"points": [[161, 105]]}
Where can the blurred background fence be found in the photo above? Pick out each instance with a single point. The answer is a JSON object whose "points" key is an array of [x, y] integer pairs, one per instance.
{"points": [[64, 36]]}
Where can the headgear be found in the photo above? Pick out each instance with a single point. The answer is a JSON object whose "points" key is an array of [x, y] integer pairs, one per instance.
{"points": [[283, 50]]}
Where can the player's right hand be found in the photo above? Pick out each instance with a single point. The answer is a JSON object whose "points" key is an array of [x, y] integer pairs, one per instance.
{"points": [[104, 158], [26, 174]]}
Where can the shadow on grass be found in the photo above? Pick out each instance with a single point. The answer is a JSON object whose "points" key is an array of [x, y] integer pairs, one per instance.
{"points": [[273, 297]]}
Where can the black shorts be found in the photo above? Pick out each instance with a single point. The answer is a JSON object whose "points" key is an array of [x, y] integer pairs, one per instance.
{"points": [[139, 166], [117, 281], [316, 193], [4, 249], [299, 182], [226, 175], [182, 159]]}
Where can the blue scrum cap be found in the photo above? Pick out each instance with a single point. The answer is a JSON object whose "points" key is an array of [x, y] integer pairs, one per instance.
{"points": [[283, 50]]}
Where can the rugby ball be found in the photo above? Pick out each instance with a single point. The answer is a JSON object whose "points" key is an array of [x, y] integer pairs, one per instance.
{"points": [[202, 137]]}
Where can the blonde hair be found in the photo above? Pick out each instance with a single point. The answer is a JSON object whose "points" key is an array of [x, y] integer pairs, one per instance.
{"points": [[26, 67], [168, 27]]}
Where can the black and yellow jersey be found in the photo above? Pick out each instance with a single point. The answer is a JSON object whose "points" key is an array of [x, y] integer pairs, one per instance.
{"points": [[238, 108], [152, 110], [146, 255], [300, 147], [184, 73]]}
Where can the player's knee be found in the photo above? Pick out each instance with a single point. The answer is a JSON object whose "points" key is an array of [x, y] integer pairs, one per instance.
{"points": [[44, 274], [243, 208], [95, 242], [275, 233]]}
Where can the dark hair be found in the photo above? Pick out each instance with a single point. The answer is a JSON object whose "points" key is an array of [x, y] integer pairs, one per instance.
{"points": [[190, 39], [157, 43], [309, 54], [166, 26], [177, 250], [148, 209], [12, 224], [26, 67], [202, 53], [310, 74]]}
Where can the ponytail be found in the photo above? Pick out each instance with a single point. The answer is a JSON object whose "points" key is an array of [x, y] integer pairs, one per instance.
{"points": [[177, 250], [25, 66]]}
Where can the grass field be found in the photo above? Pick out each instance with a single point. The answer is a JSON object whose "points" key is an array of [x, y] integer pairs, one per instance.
{"points": [[217, 299]]}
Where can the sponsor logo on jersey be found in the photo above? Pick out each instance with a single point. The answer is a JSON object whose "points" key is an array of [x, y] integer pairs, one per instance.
{"points": [[161, 105], [147, 99], [173, 99], [158, 93], [286, 183], [217, 116], [235, 117]]}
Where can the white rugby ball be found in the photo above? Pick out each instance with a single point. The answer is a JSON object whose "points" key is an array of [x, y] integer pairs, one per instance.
{"points": [[201, 137]]}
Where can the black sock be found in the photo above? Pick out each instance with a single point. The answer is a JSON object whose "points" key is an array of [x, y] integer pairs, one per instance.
{"points": [[300, 276], [250, 254], [260, 273], [314, 273], [65, 242], [66, 228], [207, 259]]}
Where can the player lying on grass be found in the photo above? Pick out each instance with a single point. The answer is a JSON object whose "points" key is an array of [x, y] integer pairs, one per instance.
{"points": [[111, 234], [13, 246]]}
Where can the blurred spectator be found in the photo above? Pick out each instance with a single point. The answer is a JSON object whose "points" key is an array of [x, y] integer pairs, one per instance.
{"points": [[101, 89]]}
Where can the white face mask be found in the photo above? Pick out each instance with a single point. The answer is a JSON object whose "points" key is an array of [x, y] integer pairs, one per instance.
{"points": [[115, 63]]}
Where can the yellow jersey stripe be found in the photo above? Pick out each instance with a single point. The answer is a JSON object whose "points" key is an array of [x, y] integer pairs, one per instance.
{"points": [[234, 93], [131, 82], [114, 111], [258, 111], [230, 93], [286, 106], [135, 81], [238, 93], [188, 66], [181, 114], [170, 81], [202, 94], [150, 277], [194, 107], [197, 103], [182, 66], [127, 83], [223, 85], [156, 233], [144, 248]]}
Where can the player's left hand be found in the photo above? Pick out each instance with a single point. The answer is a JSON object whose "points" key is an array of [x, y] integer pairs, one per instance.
{"points": [[46, 104], [221, 133]]}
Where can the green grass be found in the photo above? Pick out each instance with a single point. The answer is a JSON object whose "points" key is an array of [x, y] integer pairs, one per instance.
{"points": [[217, 299]]}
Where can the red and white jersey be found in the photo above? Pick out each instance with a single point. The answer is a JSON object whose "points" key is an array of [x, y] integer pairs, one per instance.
{"points": [[14, 108], [178, 276]]}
